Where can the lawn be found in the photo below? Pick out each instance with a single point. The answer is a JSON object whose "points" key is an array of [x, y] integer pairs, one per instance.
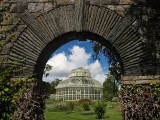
{"points": [[112, 113]]}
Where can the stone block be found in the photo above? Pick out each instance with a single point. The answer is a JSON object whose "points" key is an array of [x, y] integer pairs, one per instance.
{"points": [[36, 7], [48, 6]]}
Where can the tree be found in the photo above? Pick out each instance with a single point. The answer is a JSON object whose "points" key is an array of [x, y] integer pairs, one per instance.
{"points": [[47, 68], [53, 85], [115, 65], [110, 88]]}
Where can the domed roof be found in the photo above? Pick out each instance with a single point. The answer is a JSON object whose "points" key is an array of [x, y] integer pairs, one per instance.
{"points": [[79, 77]]}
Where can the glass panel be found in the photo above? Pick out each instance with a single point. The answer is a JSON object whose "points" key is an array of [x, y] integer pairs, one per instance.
{"points": [[86, 91], [82, 96], [86, 97], [70, 91], [74, 97], [70, 97], [66, 91], [74, 91], [82, 91], [97, 97], [66, 97], [78, 97]]}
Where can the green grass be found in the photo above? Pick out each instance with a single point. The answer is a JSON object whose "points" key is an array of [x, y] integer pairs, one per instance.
{"points": [[70, 116], [112, 113]]}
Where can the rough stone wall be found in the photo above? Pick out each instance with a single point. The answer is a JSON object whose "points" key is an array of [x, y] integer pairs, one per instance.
{"points": [[38, 7]]}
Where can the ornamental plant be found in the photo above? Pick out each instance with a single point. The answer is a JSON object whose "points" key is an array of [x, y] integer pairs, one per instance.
{"points": [[85, 106], [81, 101], [71, 105], [59, 107], [100, 109]]}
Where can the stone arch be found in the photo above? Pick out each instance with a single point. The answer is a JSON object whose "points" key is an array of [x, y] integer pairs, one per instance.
{"points": [[67, 37], [80, 17]]}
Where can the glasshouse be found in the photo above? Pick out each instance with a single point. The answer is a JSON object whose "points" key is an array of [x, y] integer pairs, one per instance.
{"points": [[79, 85]]}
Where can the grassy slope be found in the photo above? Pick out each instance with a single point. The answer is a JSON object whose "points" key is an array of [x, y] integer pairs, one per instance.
{"points": [[111, 114]]}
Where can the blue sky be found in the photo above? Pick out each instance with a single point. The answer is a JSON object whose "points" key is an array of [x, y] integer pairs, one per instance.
{"points": [[76, 54]]}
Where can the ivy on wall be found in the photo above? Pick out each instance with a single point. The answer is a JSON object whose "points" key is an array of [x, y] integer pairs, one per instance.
{"points": [[32, 102], [20, 98], [9, 90], [140, 102]]}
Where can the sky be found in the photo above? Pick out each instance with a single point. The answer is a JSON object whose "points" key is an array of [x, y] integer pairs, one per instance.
{"points": [[76, 54]]}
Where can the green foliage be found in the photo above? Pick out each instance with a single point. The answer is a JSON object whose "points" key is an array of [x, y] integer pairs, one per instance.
{"points": [[53, 85], [81, 101], [110, 114], [140, 102], [110, 88], [59, 107], [9, 90], [100, 109], [115, 99], [47, 69], [85, 106], [115, 66], [9, 31], [50, 87], [71, 105]]}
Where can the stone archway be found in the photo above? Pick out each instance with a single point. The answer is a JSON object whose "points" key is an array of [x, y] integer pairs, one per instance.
{"points": [[83, 19], [79, 17]]}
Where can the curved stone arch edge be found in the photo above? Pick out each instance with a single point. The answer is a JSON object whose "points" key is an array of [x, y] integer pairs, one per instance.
{"points": [[52, 46]]}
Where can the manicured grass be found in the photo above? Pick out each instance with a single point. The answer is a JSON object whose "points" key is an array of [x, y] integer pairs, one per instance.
{"points": [[112, 113], [70, 116]]}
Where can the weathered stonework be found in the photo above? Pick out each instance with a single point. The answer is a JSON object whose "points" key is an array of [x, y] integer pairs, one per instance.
{"points": [[39, 27], [46, 20]]}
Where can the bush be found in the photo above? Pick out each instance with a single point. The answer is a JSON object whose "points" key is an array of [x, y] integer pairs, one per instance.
{"points": [[85, 106], [81, 101], [100, 109], [115, 99], [71, 105], [59, 107]]}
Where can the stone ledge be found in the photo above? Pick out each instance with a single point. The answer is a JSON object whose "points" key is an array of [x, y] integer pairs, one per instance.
{"points": [[140, 79]]}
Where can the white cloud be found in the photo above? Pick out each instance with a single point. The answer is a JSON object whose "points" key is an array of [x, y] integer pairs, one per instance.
{"points": [[78, 56], [63, 64], [97, 72]]}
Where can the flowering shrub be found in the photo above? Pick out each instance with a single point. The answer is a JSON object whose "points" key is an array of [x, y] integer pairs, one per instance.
{"points": [[59, 107], [100, 109], [81, 101]]}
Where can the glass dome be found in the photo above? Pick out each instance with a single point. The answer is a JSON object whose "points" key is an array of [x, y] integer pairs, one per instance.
{"points": [[79, 77], [79, 83]]}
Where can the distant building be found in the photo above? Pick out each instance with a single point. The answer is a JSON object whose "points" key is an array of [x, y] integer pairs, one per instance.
{"points": [[79, 85]]}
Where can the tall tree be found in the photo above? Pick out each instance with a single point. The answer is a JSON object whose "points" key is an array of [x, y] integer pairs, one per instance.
{"points": [[53, 85], [110, 88], [115, 66]]}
